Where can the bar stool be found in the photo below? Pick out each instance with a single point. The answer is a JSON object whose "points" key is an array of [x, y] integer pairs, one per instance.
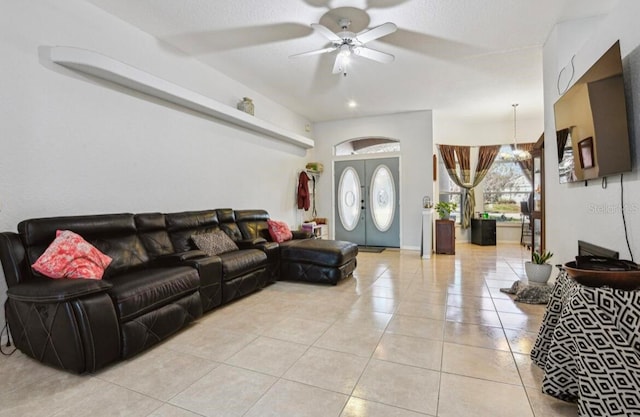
{"points": [[525, 226]]}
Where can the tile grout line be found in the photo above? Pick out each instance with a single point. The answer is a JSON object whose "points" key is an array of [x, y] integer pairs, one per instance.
{"points": [[512, 352]]}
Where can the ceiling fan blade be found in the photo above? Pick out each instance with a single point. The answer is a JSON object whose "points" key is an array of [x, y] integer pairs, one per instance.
{"points": [[384, 29], [374, 55], [326, 32], [338, 65], [316, 52]]}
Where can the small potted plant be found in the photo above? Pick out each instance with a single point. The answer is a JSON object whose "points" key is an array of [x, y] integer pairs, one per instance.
{"points": [[444, 209], [538, 270]]}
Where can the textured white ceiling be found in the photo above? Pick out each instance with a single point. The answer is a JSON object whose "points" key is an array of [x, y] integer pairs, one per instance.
{"points": [[465, 59]]}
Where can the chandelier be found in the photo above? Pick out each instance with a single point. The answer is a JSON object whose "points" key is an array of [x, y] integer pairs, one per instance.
{"points": [[516, 154]]}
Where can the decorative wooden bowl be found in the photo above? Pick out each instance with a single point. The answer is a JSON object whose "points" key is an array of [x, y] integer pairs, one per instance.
{"points": [[621, 280]]}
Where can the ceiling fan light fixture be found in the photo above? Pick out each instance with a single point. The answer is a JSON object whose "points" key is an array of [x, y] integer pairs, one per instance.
{"points": [[345, 51], [348, 44]]}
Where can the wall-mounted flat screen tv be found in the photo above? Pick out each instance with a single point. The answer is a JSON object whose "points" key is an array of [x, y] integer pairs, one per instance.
{"points": [[591, 123]]}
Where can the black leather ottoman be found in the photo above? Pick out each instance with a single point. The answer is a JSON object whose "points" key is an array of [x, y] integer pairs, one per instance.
{"points": [[317, 260]]}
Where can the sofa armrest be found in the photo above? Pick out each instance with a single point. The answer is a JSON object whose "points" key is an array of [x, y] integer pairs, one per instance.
{"points": [[13, 259], [44, 290], [176, 258], [203, 262], [210, 272], [251, 243], [67, 323]]}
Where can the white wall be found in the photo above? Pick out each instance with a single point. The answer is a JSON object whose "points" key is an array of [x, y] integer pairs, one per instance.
{"points": [[480, 134], [575, 212], [415, 132], [72, 144]]}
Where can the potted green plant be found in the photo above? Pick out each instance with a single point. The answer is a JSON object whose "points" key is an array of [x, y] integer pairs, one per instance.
{"points": [[538, 270], [444, 209]]}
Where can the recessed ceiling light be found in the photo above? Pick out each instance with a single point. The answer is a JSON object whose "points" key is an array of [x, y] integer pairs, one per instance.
{"points": [[352, 103]]}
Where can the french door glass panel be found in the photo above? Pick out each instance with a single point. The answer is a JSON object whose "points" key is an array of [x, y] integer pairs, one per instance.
{"points": [[382, 198], [349, 199]]}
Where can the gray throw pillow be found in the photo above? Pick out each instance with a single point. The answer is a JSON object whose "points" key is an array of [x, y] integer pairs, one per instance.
{"points": [[214, 243], [530, 294]]}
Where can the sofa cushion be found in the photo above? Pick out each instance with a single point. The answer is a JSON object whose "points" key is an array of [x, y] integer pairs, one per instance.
{"points": [[318, 251], [253, 223], [70, 256], [152, 230], [227, 219], [127, 252], [181, 226], [242, 262], [138, 292], [214, 243], [114, 235], [279, 231]]}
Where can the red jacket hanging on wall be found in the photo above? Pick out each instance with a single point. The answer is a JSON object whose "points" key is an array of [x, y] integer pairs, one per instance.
{"points": [[304, 201]]}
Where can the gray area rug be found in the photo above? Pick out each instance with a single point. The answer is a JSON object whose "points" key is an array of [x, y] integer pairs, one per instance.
{"points": [[530, 294]]}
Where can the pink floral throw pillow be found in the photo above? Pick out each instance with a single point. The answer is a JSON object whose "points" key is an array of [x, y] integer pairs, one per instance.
{"points": [[279, 231], [70, 256]]}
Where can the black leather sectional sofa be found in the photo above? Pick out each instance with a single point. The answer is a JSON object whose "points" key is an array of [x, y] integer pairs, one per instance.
{"points": [[157, 283]]}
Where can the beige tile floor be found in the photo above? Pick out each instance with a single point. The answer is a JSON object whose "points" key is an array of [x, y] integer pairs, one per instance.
{"points": [[404, 337]]}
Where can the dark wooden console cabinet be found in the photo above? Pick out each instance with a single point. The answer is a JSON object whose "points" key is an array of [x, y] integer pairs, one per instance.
{"points": [[483, 232], [445, 237]]}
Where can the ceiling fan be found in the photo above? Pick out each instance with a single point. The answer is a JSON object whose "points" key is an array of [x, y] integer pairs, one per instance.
{"points": [[348, 43]]}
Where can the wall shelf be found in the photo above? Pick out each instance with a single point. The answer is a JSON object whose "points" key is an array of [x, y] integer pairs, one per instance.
{"points": [[98, 65]]}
